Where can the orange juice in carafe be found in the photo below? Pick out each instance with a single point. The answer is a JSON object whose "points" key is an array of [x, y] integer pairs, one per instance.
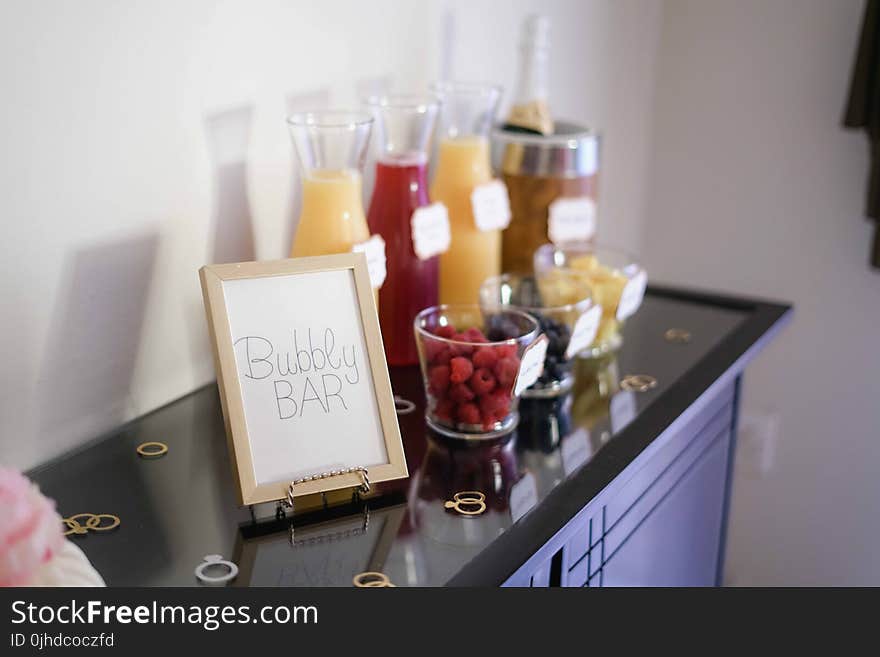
{"points": [[467, 115], [332, 146], [474, 255], [332, 219]]}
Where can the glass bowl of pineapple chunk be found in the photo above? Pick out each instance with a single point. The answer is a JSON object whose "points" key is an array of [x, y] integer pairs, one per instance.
{"points": [[616, 279]]}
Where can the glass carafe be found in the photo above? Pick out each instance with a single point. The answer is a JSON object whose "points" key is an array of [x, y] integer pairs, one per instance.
{"points": [[404, 125], [462, 165], [332, 147]]}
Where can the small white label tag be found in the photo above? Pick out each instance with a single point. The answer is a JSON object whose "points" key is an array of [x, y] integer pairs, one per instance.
{"points": [[374, 250], [430, 230], [576, 450], [571, 220], [584, 331], [532, 365], [491, 206], [622, 409], [632, 295], [523, 496]]}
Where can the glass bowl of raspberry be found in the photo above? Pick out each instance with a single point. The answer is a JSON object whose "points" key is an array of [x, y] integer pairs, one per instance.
{"points": [[559, 312], [617, 280], [470, 359]]}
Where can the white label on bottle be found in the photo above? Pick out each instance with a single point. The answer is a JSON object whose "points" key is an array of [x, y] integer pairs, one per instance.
{"points": [[632, 295], [523, 496], [430, 230], [374, 250], [576, 450], [622, 409], [584, 331], [571, 220], [491, 206], [532, 365]]}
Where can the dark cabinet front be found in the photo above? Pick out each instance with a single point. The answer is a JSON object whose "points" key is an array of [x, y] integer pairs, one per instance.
{"points": [[661, 522], [679, 542]]}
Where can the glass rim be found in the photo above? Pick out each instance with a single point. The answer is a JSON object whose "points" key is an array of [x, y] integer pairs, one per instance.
{"points": [[420, 102], [567, 307], [466, 87], [535, 332], [330, 118], [587, 248]]}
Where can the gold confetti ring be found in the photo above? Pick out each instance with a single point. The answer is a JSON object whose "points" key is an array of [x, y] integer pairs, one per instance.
{"points": [[677, 335], [467, 503], [469, 497], [371, 579], [462, 507], [152, 449], [638, 382], [94, 523], [73, 527]]}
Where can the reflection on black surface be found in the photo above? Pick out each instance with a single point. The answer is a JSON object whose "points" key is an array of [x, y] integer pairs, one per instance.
{"points": [[328, 553], [596, 382], [177, 509], [543, 422], [452, 465]]}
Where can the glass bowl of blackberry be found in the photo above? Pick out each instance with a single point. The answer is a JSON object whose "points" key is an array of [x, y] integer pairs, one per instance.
{"points": [[470, 359], [557, 317]]}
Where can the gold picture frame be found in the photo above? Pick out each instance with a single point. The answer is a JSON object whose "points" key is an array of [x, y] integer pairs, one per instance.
{"points": [[251, 491]]}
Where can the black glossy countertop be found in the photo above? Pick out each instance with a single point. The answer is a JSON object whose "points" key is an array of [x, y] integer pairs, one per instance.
{"points": [[177, 509]]}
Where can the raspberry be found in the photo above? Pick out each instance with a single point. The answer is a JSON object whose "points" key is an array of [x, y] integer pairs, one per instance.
{"points": [[460, 369], [445, 331], [474, 334], [443, 409], [439, 354], [459, 392], [495, 404], [468, 413], [506, 370], [485, 357], [482, 381], [438, 379], [462, 349], [505, 351], [432, 348]]}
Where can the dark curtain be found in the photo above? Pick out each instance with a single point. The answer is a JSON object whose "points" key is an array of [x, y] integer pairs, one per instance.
{"points": [[863, 109]]}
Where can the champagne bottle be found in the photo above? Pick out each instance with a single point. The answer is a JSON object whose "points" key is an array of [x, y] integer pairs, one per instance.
{"points": [[530, 111]]}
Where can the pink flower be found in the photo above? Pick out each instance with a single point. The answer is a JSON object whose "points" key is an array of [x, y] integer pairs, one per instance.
{"points": [[30, 530]]}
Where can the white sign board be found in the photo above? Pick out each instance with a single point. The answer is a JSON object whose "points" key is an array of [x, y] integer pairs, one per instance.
{"points": [[303, 376]]}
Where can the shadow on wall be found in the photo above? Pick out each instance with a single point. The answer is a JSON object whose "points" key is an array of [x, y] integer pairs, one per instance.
{"points": [[379, 86], [228, 135], [304, 102], [94, 338]]}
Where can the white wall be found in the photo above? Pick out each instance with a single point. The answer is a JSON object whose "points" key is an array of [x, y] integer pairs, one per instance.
{"points": [[143, 139], [756, 189]]}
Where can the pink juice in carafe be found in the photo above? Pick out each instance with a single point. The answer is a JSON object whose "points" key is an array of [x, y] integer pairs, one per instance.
{"points": [[401, 187], [404, 125]]}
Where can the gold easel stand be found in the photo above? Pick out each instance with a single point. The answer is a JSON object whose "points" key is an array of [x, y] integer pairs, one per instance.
{"points": [[289, 502]]}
